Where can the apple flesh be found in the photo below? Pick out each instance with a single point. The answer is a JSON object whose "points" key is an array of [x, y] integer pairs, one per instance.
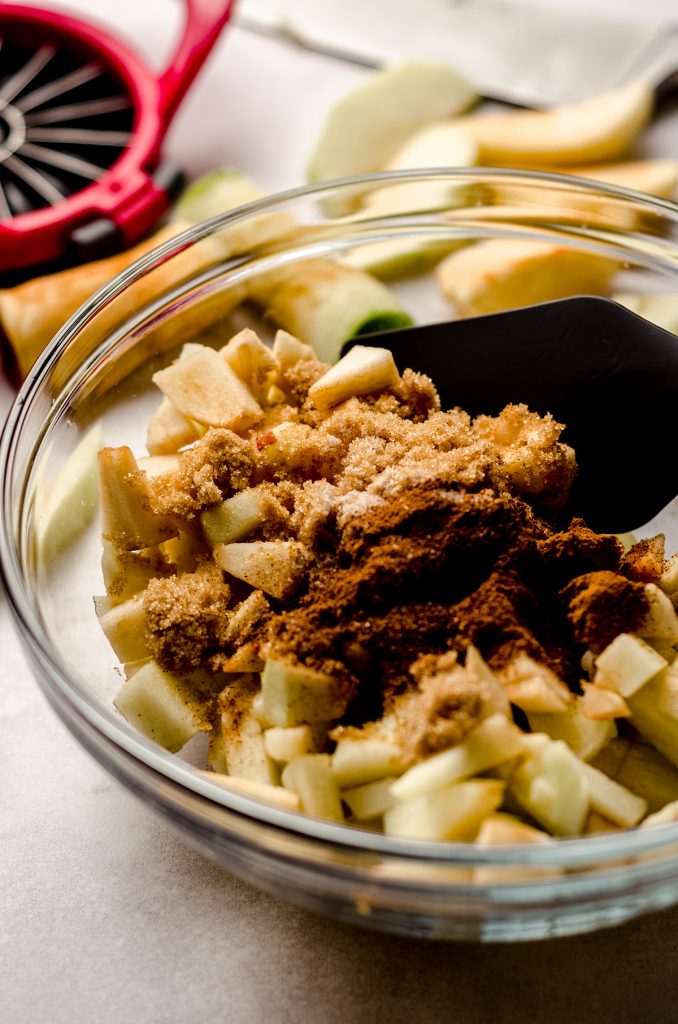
{"points": [[296, 695], [157, 704], [311, 778]]}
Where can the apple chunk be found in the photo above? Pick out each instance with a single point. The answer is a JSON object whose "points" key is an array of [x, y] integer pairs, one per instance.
{"points": [[157, 703], [296, 695], [361, 371], [169, 430], [504, 273], [127, 516], [234, 518], [124, 626], [495, 741], [274, 566], [450, 813], [311, 778], [626, 664], [204, 388]]}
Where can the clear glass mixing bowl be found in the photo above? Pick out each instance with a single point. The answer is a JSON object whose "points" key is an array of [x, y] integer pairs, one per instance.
{"points": [[98, 369]]}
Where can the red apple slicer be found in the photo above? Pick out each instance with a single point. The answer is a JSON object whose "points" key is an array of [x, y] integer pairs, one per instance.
{"points": [[82, 119]]}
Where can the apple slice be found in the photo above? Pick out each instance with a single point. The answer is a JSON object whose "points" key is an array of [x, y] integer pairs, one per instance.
{"points": [[203, 387], [311, 778], [661, 621], [602, 705], [656, 177], [214, 193], [326, 303], [296, 695], [504, 273], [443, 144], [274, 566], [451, 813], [361, 371], [63, 513], [597, 129], [126, 573], [158, 704], [366, 128], [640, 767], [503, 829]]}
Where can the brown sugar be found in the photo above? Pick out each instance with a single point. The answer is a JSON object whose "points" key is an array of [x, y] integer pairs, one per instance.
{"points": [[184, 616], [217, 466]]}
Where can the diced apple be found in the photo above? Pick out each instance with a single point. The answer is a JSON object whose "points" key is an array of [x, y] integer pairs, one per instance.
{"points": [[234, 518], [327, 303], [365, 129], [503, 273], [251, 360], [258, 790], [125, 629], [288, 350], [627, 664], [450, 813], [502, 830], [274, 566], [246, 615], [130, 668], [361, 371], [582, 735], [661, 621], [493, 742], [311, 778], [127, 517], [158, 466], [609, 798], [284, 743], [642, 769], [296, 695], [535, 695], [654, 712], [600, 128], [156, 702], [126, 573], [667, 816], [370, 800], [204, 388], [358, 761], [552, 787], [602, 705], [67, 509], [245, 659], [169, 430]]}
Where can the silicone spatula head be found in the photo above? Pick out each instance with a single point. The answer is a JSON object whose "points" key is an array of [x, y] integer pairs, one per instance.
{"points": [[609, 375]]}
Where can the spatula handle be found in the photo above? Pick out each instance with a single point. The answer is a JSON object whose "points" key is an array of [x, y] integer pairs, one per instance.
{"points": [[204, 21]]}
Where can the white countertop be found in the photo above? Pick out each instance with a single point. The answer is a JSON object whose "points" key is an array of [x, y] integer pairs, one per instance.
{"points": [[105, 916]]}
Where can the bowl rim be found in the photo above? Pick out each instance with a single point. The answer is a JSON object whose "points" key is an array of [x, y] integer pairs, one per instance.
{"points": [[569, 853]]}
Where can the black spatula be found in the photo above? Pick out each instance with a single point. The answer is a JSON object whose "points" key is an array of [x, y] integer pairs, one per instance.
{"points": [[607, 373]]}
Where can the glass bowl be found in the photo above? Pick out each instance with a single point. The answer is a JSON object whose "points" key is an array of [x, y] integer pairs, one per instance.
{"points": [[98, 368]]}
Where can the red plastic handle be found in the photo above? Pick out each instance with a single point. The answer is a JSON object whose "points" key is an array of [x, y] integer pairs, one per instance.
{"points": [[204, 21]]}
